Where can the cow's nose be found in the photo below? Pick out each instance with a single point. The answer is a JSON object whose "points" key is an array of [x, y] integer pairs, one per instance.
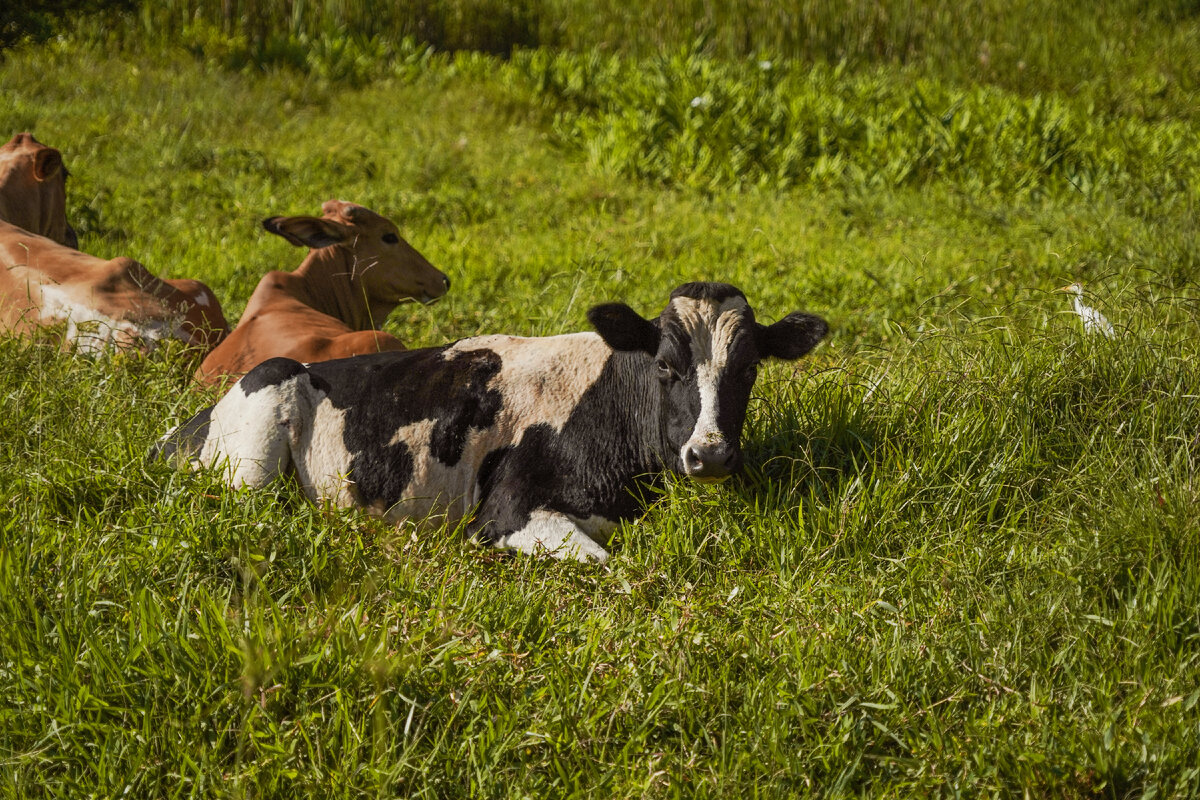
{"points": [[447, 280], [713, 461]]}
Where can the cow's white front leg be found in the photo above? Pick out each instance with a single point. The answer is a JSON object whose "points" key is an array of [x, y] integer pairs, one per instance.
{"points": [[555, 534]]}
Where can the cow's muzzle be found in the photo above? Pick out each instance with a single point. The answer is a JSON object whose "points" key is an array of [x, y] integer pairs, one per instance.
{"points": [[440, 288], [710, 462]]}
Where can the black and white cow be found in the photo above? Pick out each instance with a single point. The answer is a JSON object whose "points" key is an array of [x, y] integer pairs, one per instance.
{"points": [[541, 442]]}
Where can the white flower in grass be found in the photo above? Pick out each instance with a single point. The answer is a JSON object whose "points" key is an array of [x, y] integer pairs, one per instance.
{"points": [[765, 65], [703, 101]]}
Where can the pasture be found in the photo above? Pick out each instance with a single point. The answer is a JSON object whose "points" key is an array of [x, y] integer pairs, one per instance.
{"points": [[963, 558]]}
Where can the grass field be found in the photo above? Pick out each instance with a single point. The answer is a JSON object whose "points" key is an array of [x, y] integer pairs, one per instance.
{"points": [[964, 559]]}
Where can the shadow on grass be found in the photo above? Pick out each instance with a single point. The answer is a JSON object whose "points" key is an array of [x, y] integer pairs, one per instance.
{"points": [[810, 442]]}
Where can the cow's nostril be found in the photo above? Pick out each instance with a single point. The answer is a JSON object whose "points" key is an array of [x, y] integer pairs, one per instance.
{"points": [[717, 460]]}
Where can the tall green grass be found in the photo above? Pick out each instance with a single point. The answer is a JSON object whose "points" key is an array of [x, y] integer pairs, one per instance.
{"points": [[699, 121], [1141, 51]]}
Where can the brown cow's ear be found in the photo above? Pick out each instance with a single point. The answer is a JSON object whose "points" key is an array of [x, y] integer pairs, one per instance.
{"points": [[622, 328], [792, 336], [343, 210], [46, 164], [311, 232]]}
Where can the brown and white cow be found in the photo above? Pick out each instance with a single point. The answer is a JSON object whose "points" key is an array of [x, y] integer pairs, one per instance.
{"points": [[333, 305], [33, 189], [117, 302], [45, 280], [541, 443]]}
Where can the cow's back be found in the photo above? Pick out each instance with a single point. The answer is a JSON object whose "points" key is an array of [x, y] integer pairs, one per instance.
{"points": [[416, 432], [115, 301], [289, 330], [278, 324]]}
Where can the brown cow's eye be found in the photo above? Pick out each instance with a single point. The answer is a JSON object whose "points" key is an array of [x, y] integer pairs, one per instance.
{"points": [[391, 238]]}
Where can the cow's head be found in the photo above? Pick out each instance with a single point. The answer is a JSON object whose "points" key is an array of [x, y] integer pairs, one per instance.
{"points": [[33, 189], [706, 347], [382, 266]]}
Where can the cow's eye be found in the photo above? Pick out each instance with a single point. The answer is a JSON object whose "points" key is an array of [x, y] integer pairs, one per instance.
{"points": [[664, 369], [391, 238]]}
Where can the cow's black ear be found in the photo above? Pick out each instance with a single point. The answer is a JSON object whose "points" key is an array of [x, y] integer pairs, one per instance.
{"points": [[622, 328], [313, 232], [792, 336]]}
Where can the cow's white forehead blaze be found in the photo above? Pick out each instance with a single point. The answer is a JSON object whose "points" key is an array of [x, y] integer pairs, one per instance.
{"points": [[711, 326]]}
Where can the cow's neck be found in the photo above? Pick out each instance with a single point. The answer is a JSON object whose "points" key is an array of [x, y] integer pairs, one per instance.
{"points": [[642, 410], [328, 284]]}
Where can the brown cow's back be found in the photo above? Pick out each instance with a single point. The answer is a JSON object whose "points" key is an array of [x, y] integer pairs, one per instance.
{"points": [[102, 302], [284, 327]]}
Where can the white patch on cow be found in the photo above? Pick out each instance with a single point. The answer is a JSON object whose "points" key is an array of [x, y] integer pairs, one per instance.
{"points": [[434, 488], [712, 328], [88, 330], [541, 379], [202, 298], [253, 438], [92, 332], [599, 529], [554, 534], [323, 462]]}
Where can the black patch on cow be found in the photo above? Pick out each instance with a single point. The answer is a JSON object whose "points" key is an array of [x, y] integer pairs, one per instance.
{"points": [[471, 381], [488, 467], [271, 372], [384, 392], [593, 467], [185, 441], [717, 292], [675, 349], [381, 473]]}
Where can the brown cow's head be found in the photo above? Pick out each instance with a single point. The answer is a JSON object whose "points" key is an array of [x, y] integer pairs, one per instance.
{"points": [[33, 189], [381, 266]]}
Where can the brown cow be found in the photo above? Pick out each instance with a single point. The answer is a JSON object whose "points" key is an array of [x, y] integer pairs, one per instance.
{"points": [[117, 302], [33, 189], [46, 280], [333, 305]]}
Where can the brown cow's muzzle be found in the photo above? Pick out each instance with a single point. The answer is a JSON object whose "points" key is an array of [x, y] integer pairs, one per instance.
{"points": [[434, 289]]}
